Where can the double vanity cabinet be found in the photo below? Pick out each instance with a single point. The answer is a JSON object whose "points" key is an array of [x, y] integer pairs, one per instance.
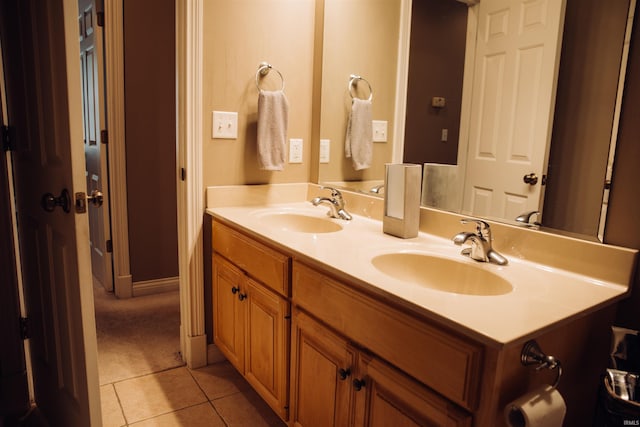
{"points": [[326, 341], [322, 353]]}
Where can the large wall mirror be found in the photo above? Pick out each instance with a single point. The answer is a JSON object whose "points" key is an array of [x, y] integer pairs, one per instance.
{"points": [[414, 56]]}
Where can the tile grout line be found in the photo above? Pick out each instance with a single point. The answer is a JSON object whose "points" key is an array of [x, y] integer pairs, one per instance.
{"points": [[124, 416], [127, 424], [143, 375], [207, 397], [171, 412]]}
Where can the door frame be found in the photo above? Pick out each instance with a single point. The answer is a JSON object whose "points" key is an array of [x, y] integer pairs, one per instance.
{"points": [[189, 63], [114, 81], [190, 191]]}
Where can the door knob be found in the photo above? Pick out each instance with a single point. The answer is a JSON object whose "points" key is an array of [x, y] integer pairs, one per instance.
{"points": [[49, 201], [95, 198], [531, 179]]}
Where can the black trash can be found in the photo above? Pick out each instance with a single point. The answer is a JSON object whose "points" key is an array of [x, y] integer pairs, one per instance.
{"points": [[613, 411]]}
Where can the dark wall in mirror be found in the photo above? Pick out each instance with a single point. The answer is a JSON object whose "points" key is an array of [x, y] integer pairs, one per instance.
{"points": [[584, 117], [436, 69]]}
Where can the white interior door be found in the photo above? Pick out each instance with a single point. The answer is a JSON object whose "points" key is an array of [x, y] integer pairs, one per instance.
{"points": [[514, 86], [93, 92], [45, 106]]}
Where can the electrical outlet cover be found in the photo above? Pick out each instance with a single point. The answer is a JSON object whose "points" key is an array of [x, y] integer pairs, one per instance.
{"points": [[325, 150], [379, 130], [295, 150]]}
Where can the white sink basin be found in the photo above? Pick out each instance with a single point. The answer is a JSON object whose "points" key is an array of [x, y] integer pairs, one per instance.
{"points": [[442, 274], [300, 223]]}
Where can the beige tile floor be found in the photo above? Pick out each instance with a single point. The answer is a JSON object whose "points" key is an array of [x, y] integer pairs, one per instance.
{"points": [[212, 396]]}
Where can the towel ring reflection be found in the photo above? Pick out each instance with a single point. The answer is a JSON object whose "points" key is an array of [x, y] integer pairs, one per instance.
{"points": [[353, 82], [263, 70]]}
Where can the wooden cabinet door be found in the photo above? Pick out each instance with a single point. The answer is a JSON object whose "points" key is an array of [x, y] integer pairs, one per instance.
{"points": [[390, 398], [267, 345], [228, 311], [321, 366]]}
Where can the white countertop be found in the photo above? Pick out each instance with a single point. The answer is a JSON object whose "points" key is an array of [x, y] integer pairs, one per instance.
{"points": [[542, 296]]}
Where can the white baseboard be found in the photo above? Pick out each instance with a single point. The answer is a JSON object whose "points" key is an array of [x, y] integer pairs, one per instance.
{"points": [[123, 287], [194, 350], [156, 286]]}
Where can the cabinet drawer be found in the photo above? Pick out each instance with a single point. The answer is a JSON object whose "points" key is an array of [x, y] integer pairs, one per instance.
{"points": [[449, 364], [259, 261], [391, 398]]}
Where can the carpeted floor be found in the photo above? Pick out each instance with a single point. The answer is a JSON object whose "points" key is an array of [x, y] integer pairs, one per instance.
{"points": [[136, 336]]}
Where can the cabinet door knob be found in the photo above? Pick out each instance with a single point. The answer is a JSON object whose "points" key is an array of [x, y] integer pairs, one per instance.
{"points": [[235, 290], [344, 373], [358, 384], [242, 296]]}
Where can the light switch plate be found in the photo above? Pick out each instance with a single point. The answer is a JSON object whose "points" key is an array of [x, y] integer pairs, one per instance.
{"points": [[225, 125], [379, 131], [325, 150], [295, 150], [438, 102]]}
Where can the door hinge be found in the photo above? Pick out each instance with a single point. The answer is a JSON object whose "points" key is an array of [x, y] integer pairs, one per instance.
{"points": [[7, 140], [104, 136], [183, 174], [109, 245], [24, 328]]}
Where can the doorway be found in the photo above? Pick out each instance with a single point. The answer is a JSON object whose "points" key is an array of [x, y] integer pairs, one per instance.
{"points": [[137, 320]]}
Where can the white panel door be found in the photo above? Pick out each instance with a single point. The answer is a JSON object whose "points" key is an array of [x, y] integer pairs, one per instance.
{"points": [[93, 92], [514, 86], [44, 104]]}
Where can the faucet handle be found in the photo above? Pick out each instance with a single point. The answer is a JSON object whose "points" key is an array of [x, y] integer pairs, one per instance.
{"points": [[482, 227], [334, 191], [525, 217]]}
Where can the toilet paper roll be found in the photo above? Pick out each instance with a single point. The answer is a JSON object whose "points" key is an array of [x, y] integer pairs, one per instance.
{"points": [[543, 406]]}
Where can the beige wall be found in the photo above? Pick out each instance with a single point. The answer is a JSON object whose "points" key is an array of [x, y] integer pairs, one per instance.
{"points": [[238, 35], [360, 37]]}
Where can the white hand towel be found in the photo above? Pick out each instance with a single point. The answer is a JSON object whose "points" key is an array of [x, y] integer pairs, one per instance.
{"points": [[359, 139], [273, 117]]}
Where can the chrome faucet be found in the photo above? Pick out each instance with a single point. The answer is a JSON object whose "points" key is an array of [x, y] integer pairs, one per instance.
{"points": [[480, 241], [377, 189], [335, 203], [525, 219]]}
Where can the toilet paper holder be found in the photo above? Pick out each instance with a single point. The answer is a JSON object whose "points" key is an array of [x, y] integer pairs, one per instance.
{"points": [[532, 355]]}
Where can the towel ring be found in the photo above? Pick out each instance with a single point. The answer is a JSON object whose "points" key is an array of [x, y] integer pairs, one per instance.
{"points": [[263, 70], [531, 354], [353, 82]]}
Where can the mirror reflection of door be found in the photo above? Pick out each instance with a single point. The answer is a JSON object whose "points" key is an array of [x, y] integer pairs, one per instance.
{"points": [[515, 75], [95, 144]]}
